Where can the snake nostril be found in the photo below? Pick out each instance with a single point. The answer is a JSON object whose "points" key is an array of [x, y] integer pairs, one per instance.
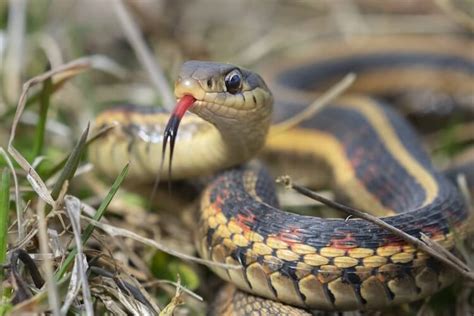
{"points": [[209, 83]]}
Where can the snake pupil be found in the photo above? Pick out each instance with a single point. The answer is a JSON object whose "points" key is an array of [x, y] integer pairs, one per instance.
{"points": [[233, 82]]}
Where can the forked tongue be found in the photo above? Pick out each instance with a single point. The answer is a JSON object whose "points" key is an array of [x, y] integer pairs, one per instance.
{"points": [[171, 129]]}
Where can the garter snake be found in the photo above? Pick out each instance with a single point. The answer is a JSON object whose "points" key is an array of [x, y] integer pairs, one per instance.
{"points": [[374, 156]]}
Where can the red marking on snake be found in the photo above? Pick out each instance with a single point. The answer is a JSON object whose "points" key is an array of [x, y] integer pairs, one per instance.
{"points": [[358, 157], [345, 243], [218, 204], [220, 198], [394, 241], [431, 231], [290, 236], [245, 221]]}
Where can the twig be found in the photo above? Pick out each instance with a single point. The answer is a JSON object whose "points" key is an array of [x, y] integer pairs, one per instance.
{"points": [[144, 55], [436, 246], [175, 301], [316, 106], [286, 180], [187, 291], [116, 231]]}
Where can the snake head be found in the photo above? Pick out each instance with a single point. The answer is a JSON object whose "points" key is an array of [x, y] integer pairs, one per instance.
{"points": [[235, 100], [223, 93]]}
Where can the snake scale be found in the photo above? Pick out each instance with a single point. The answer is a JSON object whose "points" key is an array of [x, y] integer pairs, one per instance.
{"points": [[292, 263]]}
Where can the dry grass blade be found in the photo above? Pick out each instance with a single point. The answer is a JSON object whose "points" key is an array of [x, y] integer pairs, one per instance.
{"points": [[74, 286], [13, 59], [146, 296], [33, 306], [116, 231], [316, 106], [51, 48], [133, 306], [73, 208], [110, 303], [53, 294], [175, 301], [175, 284], [33, 178], [150, 64], [286, 180], [133, 288]]}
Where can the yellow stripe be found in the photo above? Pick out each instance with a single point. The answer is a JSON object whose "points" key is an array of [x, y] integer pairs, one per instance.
{"points": [[409, 78], [249, 179], [393, 144], [125, 117], [327, 147]]}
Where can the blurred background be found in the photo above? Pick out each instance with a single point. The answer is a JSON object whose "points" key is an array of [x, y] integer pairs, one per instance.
{"points": [[36, 36]]}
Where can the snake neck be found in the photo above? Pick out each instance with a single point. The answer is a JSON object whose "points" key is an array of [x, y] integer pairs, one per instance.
{"points": [[238, 134], [203, 148], [241, 144]]}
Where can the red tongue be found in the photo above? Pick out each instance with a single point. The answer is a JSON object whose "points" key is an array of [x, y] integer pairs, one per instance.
{"points": [[183, 105], [171, 130]]}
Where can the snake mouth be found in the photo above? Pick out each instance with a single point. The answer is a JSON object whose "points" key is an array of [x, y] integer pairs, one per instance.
{"points": [[171, 130]]}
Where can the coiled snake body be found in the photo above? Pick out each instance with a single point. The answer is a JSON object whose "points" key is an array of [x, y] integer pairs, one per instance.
{"points": [[375, 161]]}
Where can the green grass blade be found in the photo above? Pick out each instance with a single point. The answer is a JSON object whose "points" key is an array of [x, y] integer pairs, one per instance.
{"points": [[4, 209], [56, 168], [71, 164], [31, 100], [41, 127], [98, 215]]}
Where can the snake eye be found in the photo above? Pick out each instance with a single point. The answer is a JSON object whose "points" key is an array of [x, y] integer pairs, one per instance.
{"points": [[233, 81]]}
